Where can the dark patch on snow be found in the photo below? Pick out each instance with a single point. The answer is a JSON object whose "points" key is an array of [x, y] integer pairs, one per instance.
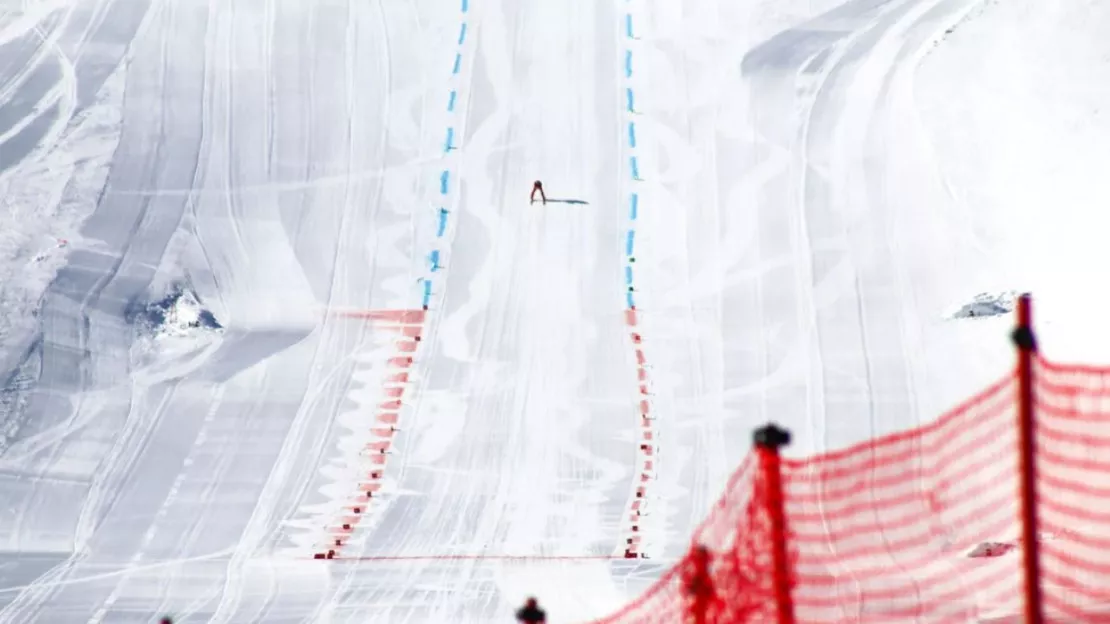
{"points": [[155, 315]]}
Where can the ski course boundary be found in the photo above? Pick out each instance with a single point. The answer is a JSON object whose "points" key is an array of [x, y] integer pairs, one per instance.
{"points": [[645, 462], [412, 324]]}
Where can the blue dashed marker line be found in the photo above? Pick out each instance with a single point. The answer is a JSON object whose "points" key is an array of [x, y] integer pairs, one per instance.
{"points": [[634, 170], [445, 175]]}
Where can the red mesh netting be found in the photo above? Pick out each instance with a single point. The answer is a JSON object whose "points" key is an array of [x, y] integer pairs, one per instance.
{"points": [[919, 526]]}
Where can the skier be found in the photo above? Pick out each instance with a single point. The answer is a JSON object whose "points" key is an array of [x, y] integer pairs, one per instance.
{"points": [[531, 613], [538, 186]]}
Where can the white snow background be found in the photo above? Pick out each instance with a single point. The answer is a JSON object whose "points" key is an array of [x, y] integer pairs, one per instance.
{"points": [[825, 189]]}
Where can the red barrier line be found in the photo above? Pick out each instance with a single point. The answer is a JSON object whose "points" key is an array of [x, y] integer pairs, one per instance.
{"points": [[1075, 513], [998, 458], [825, 578], [476, 557], [725, 507], [995, 435], [966, 583], [995, 390], [1070, 560], [1063, 461], [1085, 369], [1081, 538], [1072, 611], [873, 454], [1054, 580], [343, 525], [1051, 580], [646, 440], [916, 541], [403, 317], [826, 532], [722, 527], [1069, 485], [1063, 390], [1070, 414], [1065, 401], [1095, 380], [921, 493], [1045, 426], [973, 581], [1003, 593], [716, 530]]}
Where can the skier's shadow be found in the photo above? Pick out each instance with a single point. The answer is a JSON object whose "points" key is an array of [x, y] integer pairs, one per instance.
{"points": [[575, 202]]}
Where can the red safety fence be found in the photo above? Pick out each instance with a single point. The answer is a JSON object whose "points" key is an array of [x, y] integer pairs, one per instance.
{"points": [[927, 525]]}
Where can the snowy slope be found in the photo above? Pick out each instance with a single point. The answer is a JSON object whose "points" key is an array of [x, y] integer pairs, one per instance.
{"points": [[1016, 103], [812, 188]]}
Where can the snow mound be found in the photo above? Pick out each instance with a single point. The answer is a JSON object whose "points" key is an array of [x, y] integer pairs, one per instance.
{"points": [[987, 304]]}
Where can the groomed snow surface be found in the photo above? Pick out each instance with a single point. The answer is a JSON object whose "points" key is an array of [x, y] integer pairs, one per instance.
{"points": [[211, 211]]}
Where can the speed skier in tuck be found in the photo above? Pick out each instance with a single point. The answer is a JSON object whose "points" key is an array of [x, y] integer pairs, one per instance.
{"points": [[537, 187]]}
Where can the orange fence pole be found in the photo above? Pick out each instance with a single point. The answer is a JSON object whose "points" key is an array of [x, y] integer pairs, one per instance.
{"points": [[1027, 442], [768, 440]]}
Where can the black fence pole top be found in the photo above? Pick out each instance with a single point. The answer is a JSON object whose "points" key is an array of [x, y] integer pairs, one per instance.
{"points": [[771, 436], [1024, 338]]}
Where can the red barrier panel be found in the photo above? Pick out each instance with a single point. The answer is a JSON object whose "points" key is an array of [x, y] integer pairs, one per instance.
{"points": [[929, 524]]}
